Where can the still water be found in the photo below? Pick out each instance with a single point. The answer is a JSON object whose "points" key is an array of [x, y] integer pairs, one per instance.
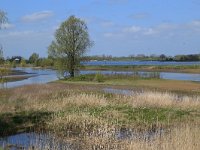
{"points": [[49, 141], [127, 63], [35, 141], [40, 76]]}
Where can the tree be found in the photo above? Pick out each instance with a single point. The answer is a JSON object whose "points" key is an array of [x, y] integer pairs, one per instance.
{"points": [[23, 62], [34, 58], [163, 57], [1, 55], [3, 18], [70, 44]]}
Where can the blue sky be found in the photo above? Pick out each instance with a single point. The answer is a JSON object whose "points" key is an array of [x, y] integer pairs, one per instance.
{"points": [[118, 27]]}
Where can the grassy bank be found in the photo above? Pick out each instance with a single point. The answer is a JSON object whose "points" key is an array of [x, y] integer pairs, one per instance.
{"points": [[94, 118], [151, 68], [151, 82], [14, 78]]}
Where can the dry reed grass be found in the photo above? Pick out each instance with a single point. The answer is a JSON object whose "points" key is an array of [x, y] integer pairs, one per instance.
{"points": [[180, 138], [95, 132], [49, 98], [160, 100], [184, 137]]}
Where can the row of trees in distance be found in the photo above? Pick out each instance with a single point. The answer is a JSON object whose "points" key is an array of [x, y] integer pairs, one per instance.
{"points": [[71, 43], [141, 57]]}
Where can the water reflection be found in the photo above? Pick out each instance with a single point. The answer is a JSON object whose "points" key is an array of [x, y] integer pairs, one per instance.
{"points": [[35, 141], [118, 91], [47, 75], [41, 76], [42, 141], [128, 63]]}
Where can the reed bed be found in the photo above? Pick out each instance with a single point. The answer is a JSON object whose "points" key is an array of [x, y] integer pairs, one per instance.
{"points": [[183, 137], [180, 138], [97, 121], [161, 100]]}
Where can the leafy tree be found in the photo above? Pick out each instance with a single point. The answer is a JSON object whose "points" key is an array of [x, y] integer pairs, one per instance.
{"points": [[163, 57], [70, 44], [34, 58], [23, 62], [45, 62]]}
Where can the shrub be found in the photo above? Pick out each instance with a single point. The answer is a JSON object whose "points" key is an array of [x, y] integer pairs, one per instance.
{"points": [[99, 77]]}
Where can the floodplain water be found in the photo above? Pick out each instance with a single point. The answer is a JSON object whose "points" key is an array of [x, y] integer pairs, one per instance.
{"points": [[41, 76]]}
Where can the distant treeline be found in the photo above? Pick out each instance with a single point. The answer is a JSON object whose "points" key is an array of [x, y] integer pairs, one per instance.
{"points": [[37, 61], [33, 61], [141, 57]]}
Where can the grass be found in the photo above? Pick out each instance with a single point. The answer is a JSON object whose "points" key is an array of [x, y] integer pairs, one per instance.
{"points": [[14, 78], [167, 68], [94, 119], [183, 138], [169, 85], [98, 77], [135, 81]]}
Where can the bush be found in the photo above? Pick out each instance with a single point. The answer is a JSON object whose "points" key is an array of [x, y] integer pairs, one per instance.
{"points": [[99, 77]]}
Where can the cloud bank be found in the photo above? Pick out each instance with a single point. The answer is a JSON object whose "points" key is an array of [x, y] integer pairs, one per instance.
{"points": [[37, 16]]}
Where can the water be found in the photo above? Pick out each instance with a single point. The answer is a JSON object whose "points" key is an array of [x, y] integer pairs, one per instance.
{"points": [[118, 91], [163, 75], [49, 141], [128, 63], [34, 140], [37, 76], [40, 76]]}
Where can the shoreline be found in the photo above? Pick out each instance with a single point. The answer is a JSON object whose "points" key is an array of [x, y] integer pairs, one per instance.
{"points": [[151, 68]]}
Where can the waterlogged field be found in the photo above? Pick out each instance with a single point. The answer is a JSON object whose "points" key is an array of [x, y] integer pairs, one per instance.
{"points": [[80, 116], [180, 68]]}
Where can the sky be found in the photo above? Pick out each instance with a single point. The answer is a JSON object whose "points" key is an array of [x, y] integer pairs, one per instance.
{"points": [[117, 27]]}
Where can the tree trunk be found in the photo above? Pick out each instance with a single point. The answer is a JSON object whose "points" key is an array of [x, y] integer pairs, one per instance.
{"points": [[71, 73], [72, 66]]}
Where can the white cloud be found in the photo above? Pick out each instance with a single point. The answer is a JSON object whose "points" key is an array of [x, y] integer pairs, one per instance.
{"points": [[166, 30], [27, 34], [132, 29], [109, 34], [37, 16], [7, 26], [18, 33], [166, 26], [195, 23], [150, 31], [26, 42], [107, 23]]}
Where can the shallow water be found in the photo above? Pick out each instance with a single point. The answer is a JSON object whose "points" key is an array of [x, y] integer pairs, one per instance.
{"points": [[128, 63], [47, 75], [163, 75], [34, 140], [118, 91], [41, 76], [48, 141]]}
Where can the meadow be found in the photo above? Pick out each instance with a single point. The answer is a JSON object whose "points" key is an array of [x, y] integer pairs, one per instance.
{"points": [[88, 118], [149, 68]]}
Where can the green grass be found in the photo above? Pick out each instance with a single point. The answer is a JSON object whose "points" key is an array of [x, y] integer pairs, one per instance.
{"points": [[98, 77], [149, 68], [136, 116], [11, 123], [134, 81]]}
